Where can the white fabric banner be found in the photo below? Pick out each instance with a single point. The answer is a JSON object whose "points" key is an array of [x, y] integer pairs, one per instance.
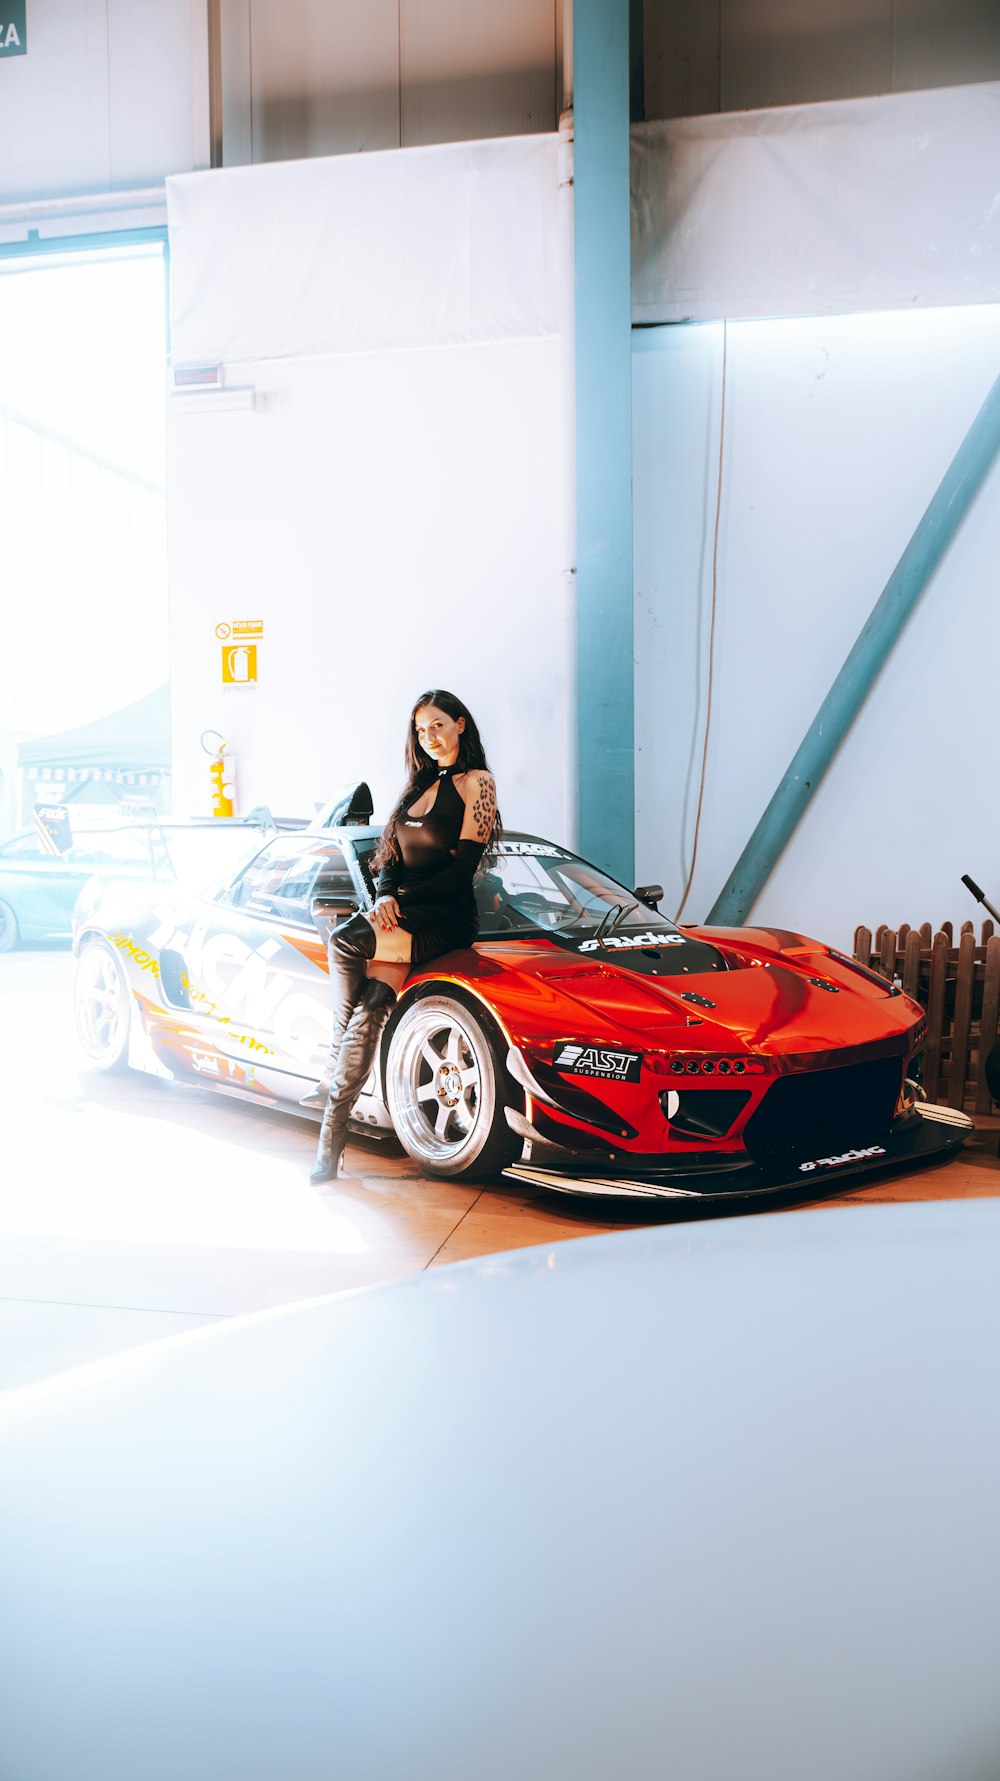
{"points": [[857, 205], [354, 253]]}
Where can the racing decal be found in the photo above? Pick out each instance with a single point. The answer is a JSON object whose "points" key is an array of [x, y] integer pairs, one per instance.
{"points": [[202, 1005], [633, 942], [167, 931], [223, 1069], [52, 824], [313, 950], [126, 944], [847, 1156], [530, 849], [261, 996], [242, 981], [597, 1060]]}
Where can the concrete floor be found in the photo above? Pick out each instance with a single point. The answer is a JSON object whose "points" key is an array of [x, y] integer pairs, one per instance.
{"points": [[131, 1209]]}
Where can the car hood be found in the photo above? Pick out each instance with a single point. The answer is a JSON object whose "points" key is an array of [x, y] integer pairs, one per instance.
{"points": [[765, 1006]]}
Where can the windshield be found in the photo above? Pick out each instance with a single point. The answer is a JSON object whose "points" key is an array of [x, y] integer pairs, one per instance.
{"points": [[535, 887]]}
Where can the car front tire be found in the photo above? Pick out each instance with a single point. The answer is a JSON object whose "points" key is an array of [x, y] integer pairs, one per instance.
{"points": [[101, 1006], [447, 1089]]}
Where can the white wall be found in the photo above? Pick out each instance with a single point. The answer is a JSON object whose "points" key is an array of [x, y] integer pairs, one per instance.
{"points": [[110, 94], [838, 432], [849, 207], [397, 518]]}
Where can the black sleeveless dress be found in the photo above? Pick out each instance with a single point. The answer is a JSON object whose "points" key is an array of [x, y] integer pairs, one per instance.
{"points": [[440, 919]]}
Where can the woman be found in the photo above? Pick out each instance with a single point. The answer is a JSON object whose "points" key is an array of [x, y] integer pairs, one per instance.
{"points": [[445, 822]]}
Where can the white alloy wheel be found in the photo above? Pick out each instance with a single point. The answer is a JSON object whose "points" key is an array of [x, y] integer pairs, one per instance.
{"points": [[101, 1006], [447, 1089]]}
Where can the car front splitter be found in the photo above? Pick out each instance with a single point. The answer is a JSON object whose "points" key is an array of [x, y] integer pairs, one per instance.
{"points": [[928, 1134]]}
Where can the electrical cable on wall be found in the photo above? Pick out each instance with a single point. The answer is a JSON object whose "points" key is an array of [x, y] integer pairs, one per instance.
{"points": [[711, 630]]}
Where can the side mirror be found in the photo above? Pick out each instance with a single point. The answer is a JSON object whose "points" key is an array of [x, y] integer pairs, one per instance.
{"points": [[650, 894], [350, 807]]}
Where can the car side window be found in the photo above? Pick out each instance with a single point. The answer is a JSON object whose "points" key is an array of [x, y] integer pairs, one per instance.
{"points": [[321, 872], [256, 885], [282, 880], [333, 882], [364, 852]]}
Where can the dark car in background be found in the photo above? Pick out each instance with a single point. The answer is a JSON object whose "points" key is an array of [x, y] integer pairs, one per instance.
{"points": [[38, 888]]}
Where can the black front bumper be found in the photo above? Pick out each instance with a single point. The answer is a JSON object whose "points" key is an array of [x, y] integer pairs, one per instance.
{"points": [[928, 1134]]}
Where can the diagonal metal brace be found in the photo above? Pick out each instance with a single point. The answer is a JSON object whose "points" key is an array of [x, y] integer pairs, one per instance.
{"points": [[948, 506]]}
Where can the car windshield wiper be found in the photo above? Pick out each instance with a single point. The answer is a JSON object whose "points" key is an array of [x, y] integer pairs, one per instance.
{"points": [[623, 910], [598, 933], [615, 914]]}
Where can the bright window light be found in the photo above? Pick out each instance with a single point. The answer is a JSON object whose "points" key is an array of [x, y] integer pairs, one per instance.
{"points": [[82, 473]]}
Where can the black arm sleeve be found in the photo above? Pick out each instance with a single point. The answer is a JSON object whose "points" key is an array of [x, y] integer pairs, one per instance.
{"points": [[387, 883], [455, 877]]}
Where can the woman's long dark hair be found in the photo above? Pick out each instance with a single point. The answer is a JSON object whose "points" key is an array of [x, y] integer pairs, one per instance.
{"points": [[421, 769]]}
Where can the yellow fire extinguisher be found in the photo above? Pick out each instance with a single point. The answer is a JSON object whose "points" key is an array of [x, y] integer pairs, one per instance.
{"points": [[221, 773]]}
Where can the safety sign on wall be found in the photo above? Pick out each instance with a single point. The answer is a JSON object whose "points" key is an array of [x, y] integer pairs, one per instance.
{"points": [[240, 639], [13, 28], [239, 665]]}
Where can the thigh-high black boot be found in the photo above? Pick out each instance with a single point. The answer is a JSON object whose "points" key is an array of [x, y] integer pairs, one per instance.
{"points": [[355, 1057], [348, 950]]}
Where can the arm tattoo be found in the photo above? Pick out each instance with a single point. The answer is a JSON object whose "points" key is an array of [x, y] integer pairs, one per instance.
{"points": [[484, 807]]}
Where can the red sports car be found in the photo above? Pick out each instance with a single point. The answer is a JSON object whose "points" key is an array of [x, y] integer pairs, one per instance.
{"points": [[585, 1042]]}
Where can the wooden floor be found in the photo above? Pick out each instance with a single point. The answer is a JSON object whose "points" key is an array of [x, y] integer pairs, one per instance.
{"points": [[132, 1209]]}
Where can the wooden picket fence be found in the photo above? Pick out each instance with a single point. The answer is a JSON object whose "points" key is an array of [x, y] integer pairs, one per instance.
{"points": [[959, 986]]}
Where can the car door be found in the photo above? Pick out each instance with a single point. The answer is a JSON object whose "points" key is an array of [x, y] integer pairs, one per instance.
{"points": [[24, 886], [256, 959]]}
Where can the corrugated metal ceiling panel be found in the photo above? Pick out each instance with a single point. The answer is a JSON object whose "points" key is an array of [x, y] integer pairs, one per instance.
{"points": [[681, 58], [944, 43], [474, 71], [324, 77], [779, 52], [732, 55]]}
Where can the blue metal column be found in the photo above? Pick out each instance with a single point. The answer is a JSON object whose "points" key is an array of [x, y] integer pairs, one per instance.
{"points": [[605, 690], [949, 504]]}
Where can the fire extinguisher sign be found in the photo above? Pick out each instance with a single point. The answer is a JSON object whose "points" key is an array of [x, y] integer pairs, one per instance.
{"points": [[239, 664], [239, 639]]}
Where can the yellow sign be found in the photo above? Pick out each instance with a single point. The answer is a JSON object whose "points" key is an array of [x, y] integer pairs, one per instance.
{"points": [[241, 629], [239, 665]]}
